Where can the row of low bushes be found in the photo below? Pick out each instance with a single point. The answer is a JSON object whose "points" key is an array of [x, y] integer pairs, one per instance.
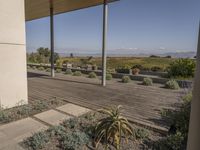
{"points": [[171, 84], [69, 72]]}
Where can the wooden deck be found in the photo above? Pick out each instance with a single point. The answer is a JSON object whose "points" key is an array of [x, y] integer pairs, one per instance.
{"points": [[141, 104]]}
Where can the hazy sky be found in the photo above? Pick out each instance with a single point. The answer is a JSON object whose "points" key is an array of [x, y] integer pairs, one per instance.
{"points": [[136, 26]]}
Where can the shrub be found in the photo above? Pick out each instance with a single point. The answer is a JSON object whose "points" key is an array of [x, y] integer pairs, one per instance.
{"points": [[41, 68], [92, 75], [172, 142], [179, 126], [37, 141], [108, 76], [40, 105], [172, 84], [141, 133], [56, 130], [59, 63], [112, 127], [68, 72], [73, 140], [181, 68], [4, 117], [156, 68], [126, 79], [28, 67], [77, 73], [147, 81], [24, 110], [58, 70], [71, 123], [48, 70]]}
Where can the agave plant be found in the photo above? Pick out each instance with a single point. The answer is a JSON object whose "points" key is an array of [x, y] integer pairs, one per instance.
{"points": [[112, 127]]}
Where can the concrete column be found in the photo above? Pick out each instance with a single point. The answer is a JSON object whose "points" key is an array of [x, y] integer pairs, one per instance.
{"points": [[13, 74], [104, 39], [194, 129]]}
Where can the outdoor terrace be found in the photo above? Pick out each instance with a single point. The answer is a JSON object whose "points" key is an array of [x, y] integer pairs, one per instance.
{"points": [[142, 104]]}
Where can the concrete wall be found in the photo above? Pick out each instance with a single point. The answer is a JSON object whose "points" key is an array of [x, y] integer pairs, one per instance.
{"points": [[13, 77]]}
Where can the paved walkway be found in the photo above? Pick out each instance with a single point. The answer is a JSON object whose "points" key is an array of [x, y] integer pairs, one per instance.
{"points": [[13, 133]]}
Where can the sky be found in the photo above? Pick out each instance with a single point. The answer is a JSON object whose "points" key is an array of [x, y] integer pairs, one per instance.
{"points": [[134, 26]]}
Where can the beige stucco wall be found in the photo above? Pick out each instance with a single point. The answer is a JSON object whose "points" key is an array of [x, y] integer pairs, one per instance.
{"points": [[13, 78]]}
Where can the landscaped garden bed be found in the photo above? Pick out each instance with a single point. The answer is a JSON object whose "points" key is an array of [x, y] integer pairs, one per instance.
{"points": [[34, 107], [108, 129], [81, 134]]}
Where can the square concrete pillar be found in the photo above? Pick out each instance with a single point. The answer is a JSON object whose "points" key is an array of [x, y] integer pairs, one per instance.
{"points": [[13, 76]]}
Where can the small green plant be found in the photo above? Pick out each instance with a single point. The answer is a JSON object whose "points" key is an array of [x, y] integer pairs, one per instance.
{"points": [[141, 133], [41, 68], [92, 75], [108, 76], [147, 81], [40, 105], [112, 127], [71, 123], [24, 110], [172, 84], [56, 130], [126, 79], [74, 140], [4, 117], [58, 70], [77, 73], [37, 141], [68, 72]]}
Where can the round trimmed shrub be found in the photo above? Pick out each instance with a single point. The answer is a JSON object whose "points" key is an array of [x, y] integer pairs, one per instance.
{"points": [[126, 79], [77, 73], [172, 84], [108, 76], [92, 75], [68, 72], [147, 81]]}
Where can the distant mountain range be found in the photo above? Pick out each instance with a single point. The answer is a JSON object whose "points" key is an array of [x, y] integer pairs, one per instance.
{"points": [[190, 54]]}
